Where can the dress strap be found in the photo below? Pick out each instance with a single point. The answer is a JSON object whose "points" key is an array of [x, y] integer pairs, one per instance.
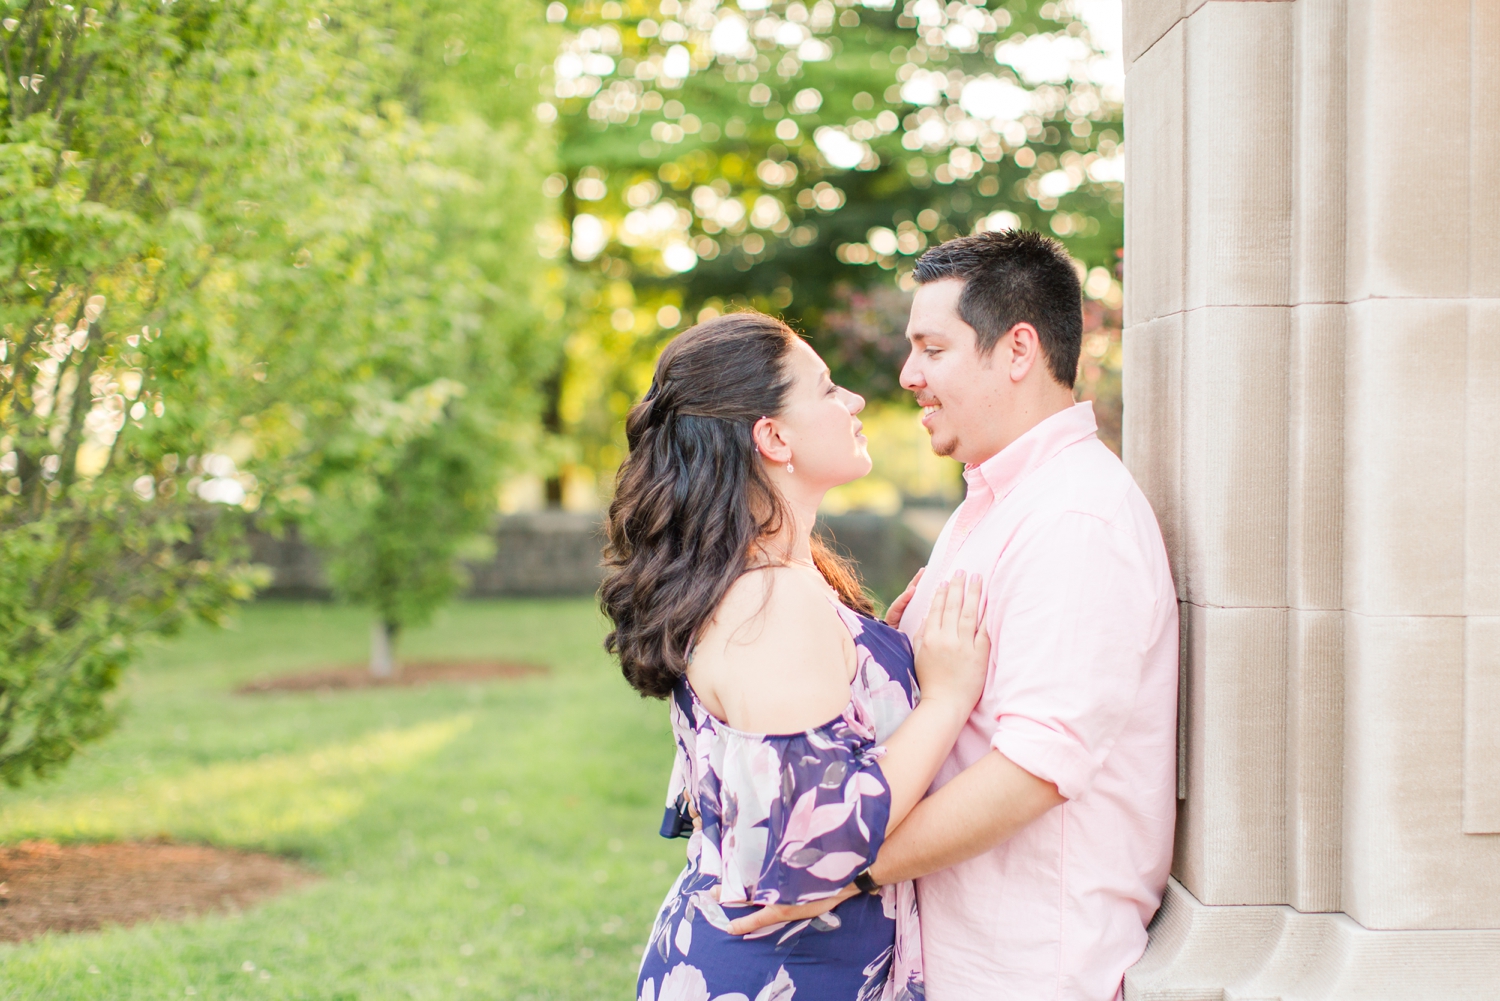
{"points": [[847, 615]]}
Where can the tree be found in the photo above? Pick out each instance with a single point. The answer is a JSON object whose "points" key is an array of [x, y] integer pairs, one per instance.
{"points": [[796, 157], [120, 138], [402, 336], [246, 244], [400, 497]]}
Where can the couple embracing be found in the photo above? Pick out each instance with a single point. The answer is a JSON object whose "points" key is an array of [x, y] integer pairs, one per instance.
{"points": [[970, 800]]}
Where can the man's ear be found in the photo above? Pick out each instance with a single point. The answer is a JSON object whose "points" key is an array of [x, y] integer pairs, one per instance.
{"points": [[1025, 350]]}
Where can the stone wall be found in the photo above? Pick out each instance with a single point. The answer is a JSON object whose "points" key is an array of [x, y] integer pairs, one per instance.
{"points": [[1312, 403], [557, 553]]}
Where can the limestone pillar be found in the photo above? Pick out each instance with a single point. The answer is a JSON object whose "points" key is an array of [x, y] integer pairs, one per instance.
{"points": [[1312, 403]]}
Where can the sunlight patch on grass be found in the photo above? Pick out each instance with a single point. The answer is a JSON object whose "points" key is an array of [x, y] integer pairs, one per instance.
{"points": [[241, 803], [516, 854]]}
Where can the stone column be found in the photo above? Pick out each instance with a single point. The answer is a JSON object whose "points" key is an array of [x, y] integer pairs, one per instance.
{"points": [[1312, 403]]}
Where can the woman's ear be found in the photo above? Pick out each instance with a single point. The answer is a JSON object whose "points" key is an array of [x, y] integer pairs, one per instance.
{"points": [[769, 443]]}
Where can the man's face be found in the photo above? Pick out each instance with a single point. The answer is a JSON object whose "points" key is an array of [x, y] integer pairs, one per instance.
{"points": [[962, 395]]}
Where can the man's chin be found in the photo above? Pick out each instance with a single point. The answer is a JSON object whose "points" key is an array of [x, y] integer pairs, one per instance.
{"points": [[944, 445]]}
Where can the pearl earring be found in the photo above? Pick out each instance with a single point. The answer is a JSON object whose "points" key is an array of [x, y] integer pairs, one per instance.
{"points": [[789, 468]]}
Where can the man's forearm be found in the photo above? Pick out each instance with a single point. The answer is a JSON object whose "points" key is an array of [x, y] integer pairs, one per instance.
{"points": [[983, 806]]}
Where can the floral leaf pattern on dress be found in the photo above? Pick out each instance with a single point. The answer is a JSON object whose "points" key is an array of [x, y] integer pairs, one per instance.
{"points": [[780, 989], [788, 818]]}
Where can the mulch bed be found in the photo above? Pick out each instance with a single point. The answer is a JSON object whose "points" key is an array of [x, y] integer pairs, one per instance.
{"points": [[46, 887], [425, 673]]}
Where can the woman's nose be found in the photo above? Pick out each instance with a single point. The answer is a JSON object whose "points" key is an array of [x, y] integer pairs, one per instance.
{"points": [[852, 400]]}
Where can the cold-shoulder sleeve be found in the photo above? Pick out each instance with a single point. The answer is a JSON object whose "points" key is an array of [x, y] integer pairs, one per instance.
{"points": [[677, 821], [791, 819]]}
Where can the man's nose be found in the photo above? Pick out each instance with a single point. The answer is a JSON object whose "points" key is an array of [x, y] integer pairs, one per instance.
{"points": [[911, 374]]}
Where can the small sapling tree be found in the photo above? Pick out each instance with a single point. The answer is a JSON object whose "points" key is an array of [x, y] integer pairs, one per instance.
{"points": [[404, 494]]}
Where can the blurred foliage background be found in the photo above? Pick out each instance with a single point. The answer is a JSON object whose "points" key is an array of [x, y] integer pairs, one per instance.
{"points": [[796, 158], [373, 272], [258, 256]]}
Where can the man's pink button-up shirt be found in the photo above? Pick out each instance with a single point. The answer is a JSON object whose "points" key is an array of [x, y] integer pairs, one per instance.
{"points": [[1082, 692]]}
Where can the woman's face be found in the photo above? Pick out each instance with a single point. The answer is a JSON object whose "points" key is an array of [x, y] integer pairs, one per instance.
{"points": [[821, 425]]}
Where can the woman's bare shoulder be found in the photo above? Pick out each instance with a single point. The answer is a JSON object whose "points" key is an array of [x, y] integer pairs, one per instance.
{"points": [[773, 657], [771, 605]]}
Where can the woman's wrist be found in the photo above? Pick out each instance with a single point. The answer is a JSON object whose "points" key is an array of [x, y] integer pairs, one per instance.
{"points": [[949, 703]]}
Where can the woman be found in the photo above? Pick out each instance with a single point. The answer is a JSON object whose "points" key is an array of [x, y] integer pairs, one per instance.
{"points": [[785, 694]]}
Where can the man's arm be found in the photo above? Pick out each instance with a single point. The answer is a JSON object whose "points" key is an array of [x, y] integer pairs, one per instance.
{"points": [[984, 805]]}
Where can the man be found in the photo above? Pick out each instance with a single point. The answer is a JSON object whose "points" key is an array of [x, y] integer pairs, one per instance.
{"points": [[1042, 851]]}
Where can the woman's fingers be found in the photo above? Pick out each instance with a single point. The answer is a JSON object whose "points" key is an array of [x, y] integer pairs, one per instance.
{"points": [[898, 607], [982, 645], [934, 620], [955, 604], [968, 617]]}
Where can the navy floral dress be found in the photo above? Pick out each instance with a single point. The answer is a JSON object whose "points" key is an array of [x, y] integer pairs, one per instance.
{"points": [[788, 819]]}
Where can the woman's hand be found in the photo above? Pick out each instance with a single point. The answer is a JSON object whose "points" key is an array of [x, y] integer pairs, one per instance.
{"points": [[898, 607], [953, 654]]}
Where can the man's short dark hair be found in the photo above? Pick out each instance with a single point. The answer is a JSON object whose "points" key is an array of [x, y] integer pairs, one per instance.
{"points": [[1012, 277]]}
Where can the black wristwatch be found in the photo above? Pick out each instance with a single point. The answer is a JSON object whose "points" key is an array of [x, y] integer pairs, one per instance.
{"points": [[866, 883]]}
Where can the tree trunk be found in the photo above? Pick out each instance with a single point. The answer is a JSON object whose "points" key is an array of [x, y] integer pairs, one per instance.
{"points": [[383, 648], [554, 492], [552, 404]]}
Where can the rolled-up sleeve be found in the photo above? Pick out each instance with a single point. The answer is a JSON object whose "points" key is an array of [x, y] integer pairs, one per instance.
{"points": [[1070, 623]]}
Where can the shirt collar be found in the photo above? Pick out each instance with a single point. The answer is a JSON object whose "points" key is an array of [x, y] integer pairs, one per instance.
{"points": [[1013, 463]]}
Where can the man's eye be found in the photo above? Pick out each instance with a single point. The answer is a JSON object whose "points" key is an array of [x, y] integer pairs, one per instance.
{"points": [[931, 352]]}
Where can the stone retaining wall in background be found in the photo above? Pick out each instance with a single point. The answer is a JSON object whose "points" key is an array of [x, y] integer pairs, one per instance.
{"points": [[556, 553]]}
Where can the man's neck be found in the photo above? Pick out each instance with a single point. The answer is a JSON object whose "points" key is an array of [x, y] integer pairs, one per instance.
{"points": [[1027, 414]]}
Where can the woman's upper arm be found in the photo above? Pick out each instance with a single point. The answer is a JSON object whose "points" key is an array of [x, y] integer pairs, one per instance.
{"points": [[774, 656]]}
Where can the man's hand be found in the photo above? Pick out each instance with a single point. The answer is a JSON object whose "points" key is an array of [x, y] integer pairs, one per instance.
{"points": [[898, 607], [772, 914]]}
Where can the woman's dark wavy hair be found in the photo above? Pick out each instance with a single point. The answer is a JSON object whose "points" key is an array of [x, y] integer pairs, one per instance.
{"points": [[692, 499]]}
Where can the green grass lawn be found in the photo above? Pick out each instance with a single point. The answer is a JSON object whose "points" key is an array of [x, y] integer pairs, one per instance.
{"points": [[477, 841]]}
